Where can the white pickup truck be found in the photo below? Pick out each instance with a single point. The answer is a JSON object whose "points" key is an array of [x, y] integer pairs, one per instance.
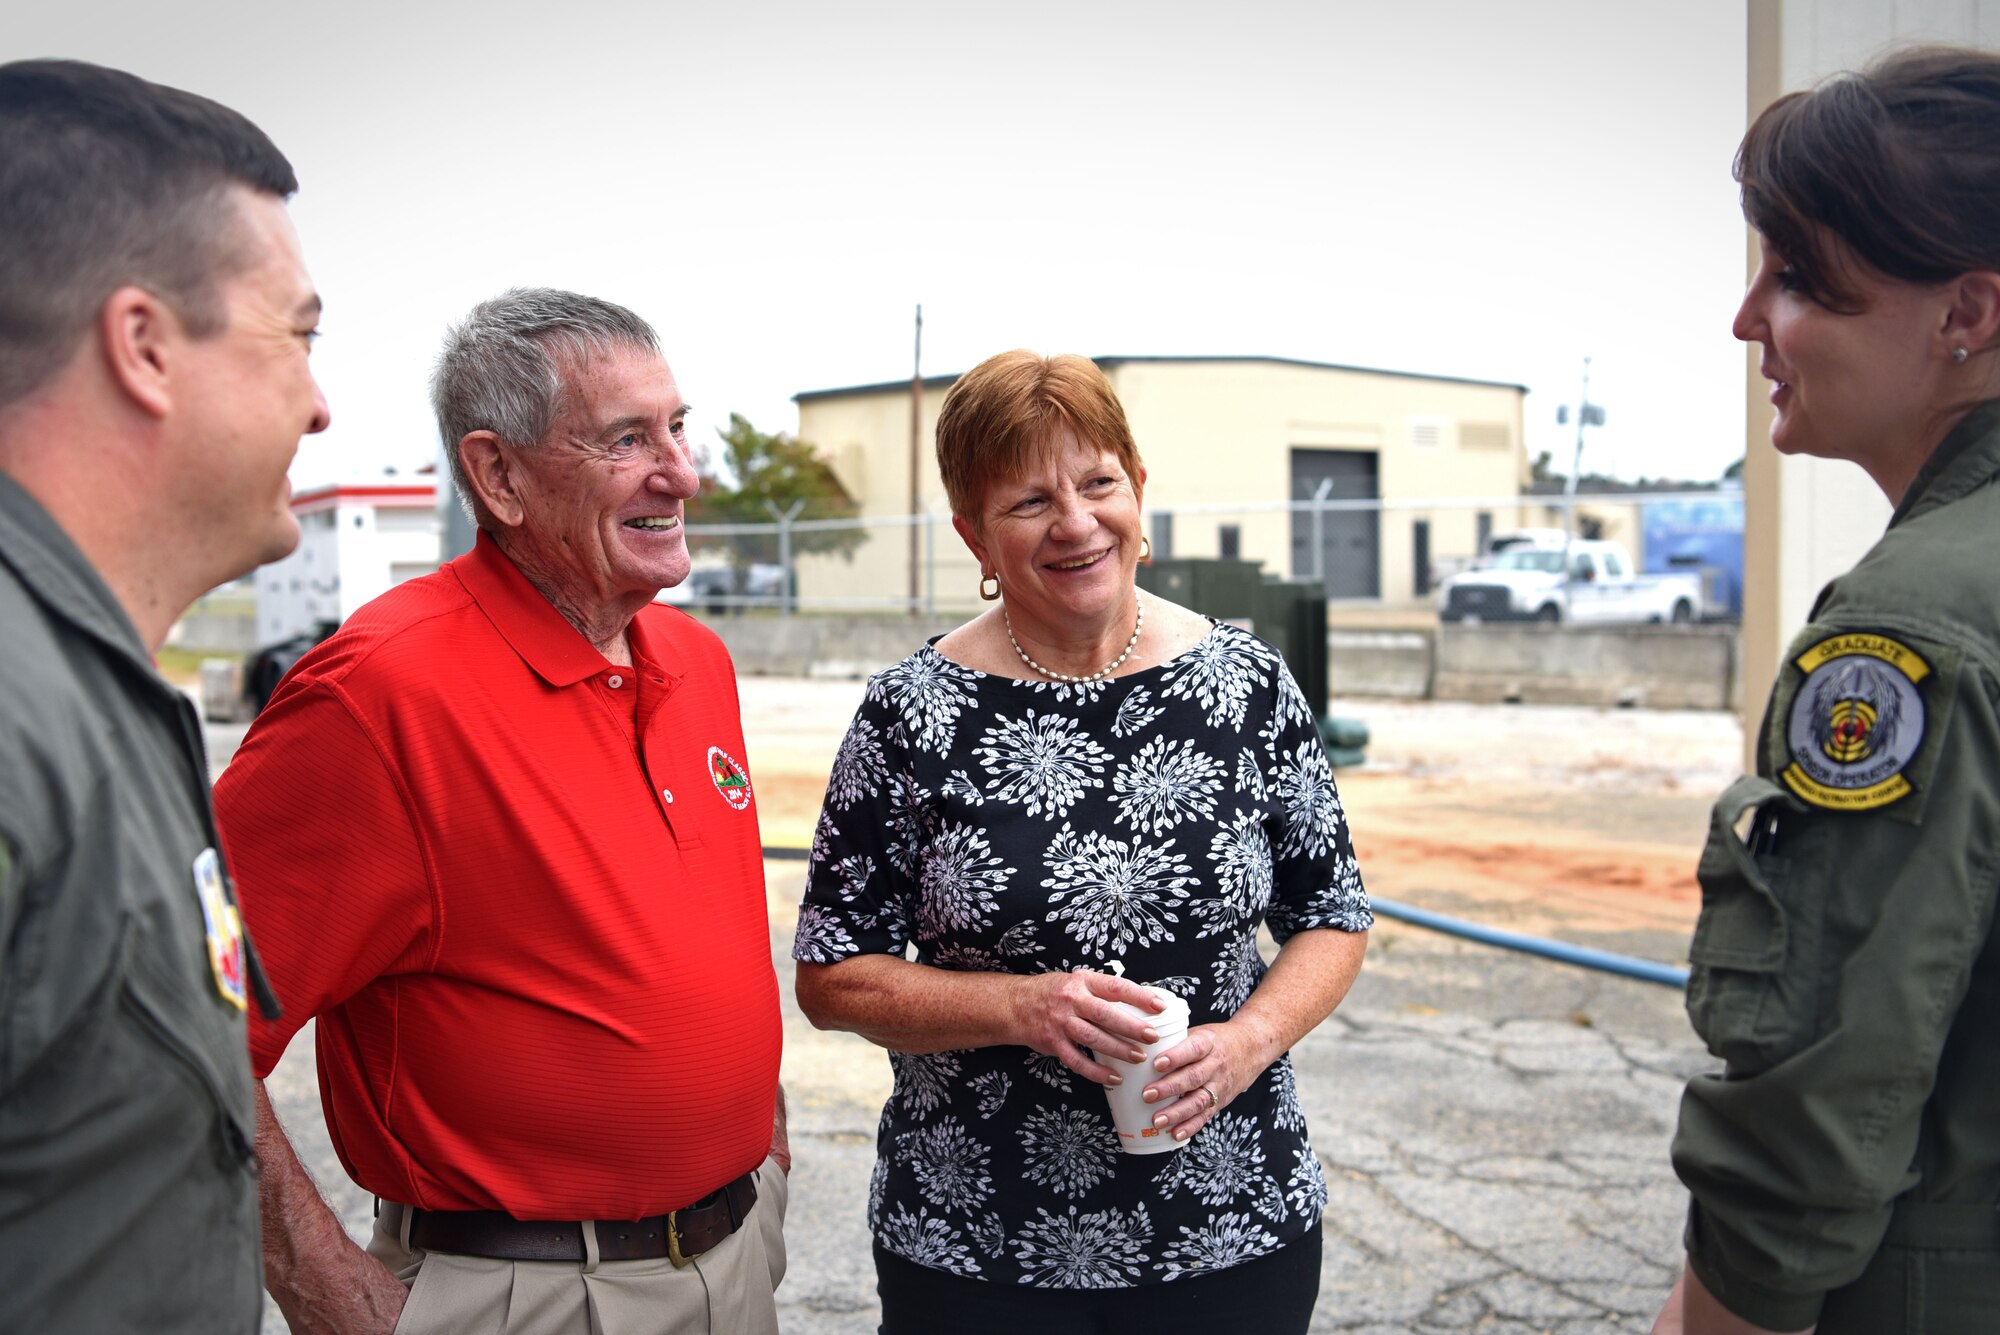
{"points": [[1530, 583]]}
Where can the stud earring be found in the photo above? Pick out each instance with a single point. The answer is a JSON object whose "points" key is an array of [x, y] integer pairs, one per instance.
{"points": [[1959, 355], [995, 581]]}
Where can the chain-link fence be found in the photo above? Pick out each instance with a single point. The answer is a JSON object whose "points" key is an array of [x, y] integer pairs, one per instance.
{"points": [[1396, 552]]}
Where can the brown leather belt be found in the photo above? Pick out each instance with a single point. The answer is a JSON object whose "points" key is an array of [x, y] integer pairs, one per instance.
{"points": [[679, 1235]]}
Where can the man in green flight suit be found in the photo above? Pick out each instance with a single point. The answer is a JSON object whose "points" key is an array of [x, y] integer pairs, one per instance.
{"points": [[155, 319]]}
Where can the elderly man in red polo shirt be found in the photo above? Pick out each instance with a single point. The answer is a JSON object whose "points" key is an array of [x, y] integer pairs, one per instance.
{"points": [[498, 837]]}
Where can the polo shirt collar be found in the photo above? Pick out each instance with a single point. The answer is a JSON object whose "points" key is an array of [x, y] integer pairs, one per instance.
{"points": [[530, 623], [651, 645]]}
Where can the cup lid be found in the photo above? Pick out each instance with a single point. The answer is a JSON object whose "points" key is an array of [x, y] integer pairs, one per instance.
{"points": [[1177, 1007]]}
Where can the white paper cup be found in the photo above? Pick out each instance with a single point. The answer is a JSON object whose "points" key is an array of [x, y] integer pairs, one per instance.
{"points": [[1130, 1113]]}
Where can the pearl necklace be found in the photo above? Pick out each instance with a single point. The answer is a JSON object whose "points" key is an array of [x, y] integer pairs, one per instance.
{"points": [[1105, 671]]}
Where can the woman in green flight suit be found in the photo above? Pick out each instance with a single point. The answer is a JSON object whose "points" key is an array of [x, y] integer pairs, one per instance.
{"points": [[1845, 1166]]}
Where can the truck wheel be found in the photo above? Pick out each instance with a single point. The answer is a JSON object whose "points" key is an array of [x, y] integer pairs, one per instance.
{"points": [[1548, 613], [1683, 612]]}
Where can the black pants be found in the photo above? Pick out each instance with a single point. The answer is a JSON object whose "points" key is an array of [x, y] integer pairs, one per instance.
{"points": [[1272, 1295]]}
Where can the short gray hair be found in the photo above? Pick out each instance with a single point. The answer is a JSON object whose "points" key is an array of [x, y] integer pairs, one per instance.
{"points": [[505, 368]]}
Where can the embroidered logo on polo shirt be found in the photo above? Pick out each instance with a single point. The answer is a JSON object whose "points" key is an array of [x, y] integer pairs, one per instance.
{"points": [[1856, 722], [729, 778], [225, 930]]}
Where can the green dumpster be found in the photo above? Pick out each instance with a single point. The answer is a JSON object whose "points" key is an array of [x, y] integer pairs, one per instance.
{"points": [[1289, 615]]}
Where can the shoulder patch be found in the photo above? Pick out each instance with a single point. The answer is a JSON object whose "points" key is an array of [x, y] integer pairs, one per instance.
{"points": [[1856, 723]]}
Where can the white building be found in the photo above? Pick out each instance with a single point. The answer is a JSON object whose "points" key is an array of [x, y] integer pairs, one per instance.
{"points": [[356, 542]]}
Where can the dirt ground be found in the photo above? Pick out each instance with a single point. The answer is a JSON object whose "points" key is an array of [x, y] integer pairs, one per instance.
{"points": [[1578, 823], [1558, 821]]}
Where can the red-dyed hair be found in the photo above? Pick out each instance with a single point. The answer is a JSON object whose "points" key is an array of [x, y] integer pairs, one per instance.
{"points": [[1001, 419]]}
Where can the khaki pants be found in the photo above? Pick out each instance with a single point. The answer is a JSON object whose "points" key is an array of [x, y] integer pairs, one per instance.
{"points": [[727, 1291]]}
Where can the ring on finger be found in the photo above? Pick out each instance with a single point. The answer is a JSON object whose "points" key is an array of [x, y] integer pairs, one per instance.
{"points": [[1213, 1102]]}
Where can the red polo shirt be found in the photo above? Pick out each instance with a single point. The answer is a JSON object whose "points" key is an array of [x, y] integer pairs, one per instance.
{"points": [[522, 891]]}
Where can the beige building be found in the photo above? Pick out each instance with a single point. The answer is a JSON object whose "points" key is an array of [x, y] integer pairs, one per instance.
{"points": [[1227, 442]]}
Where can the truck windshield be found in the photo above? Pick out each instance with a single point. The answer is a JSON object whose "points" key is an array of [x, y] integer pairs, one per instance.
{"points": [[1523, 558]]}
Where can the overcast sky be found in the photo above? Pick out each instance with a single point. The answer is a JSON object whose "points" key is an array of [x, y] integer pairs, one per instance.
{"points": [[1461, 188]]}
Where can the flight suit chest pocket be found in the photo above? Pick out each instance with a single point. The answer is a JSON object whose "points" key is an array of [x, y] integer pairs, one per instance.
{"points": [[1753, 984], [171, 1036]]}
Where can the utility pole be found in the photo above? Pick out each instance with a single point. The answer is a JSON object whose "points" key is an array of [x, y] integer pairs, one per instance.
{"points": [[916, 454], [1576, 464]]}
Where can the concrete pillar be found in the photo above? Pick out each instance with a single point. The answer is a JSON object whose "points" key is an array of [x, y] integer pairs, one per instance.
{"points": [[1807, 520]]}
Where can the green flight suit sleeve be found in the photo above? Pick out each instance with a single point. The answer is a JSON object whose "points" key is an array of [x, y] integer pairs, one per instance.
{"points": [[10, 894], [1829, 964]]}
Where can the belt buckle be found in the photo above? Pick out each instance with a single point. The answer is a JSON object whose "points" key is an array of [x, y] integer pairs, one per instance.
{"points": [[674, 1252]]}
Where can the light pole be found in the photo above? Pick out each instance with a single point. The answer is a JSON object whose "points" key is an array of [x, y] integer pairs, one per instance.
{"points": [[1587, 414]]}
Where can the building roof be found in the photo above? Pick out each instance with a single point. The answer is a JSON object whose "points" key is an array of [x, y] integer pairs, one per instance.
{"points": [[394, 495], [1112, 363]]}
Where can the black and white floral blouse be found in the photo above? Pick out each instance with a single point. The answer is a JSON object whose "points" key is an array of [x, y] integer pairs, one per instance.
{"points": [[1021, 827]]}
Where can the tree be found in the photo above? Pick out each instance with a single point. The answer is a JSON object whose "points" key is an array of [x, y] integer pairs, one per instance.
{"points": [[1734, 472], [780, 469]]}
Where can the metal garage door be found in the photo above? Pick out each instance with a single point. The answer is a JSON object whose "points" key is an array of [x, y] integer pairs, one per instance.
{"points": [[1350, 555]]}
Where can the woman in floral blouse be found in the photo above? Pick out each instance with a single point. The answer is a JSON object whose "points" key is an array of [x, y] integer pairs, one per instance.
{"points": [[1083, 774]]}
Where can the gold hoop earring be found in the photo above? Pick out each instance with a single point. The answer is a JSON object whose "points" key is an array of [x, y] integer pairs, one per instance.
{"points": [[993, 596], [1145, 548]]}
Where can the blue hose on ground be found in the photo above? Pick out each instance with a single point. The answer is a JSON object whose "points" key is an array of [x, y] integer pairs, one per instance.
{"points": [[1626, 966]]}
